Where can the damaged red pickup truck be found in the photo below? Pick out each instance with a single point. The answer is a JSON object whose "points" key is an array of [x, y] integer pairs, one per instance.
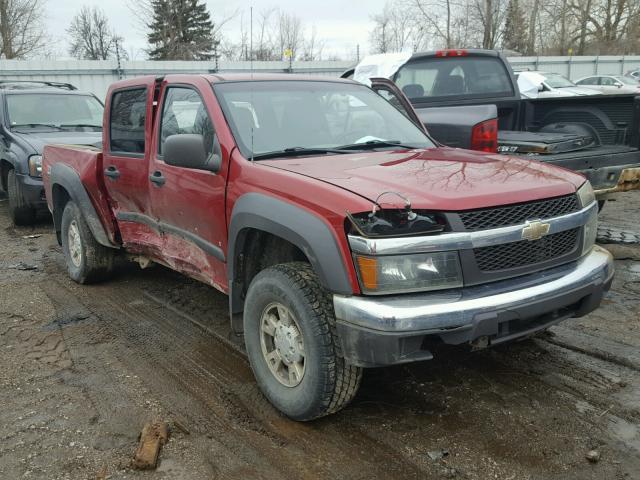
{"points": [[343, 235]]}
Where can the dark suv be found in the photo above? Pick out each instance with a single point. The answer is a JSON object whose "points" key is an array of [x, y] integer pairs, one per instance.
{"points": [[33, 114]]}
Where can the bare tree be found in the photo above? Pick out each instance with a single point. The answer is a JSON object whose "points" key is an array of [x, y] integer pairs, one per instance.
{"points": [[290, 34], [22, 31], [312, 46], [396, 29], [91, 35]]}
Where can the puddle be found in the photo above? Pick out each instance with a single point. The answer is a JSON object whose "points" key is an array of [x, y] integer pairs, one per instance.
{"points": [[626, 432], [61, 320]]}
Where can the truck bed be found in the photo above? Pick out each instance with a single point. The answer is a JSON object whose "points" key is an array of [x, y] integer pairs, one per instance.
{"points": [[84, 162]]}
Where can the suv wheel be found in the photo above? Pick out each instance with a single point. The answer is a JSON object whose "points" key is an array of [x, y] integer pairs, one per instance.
{"points": [[87, 260], [291, 340], [21, 214]]}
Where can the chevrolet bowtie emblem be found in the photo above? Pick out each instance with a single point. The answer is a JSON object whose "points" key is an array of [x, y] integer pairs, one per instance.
{"points": [[535, 230]]}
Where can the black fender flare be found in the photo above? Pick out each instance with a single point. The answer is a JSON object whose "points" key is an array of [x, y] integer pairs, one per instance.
{"points": [[306, 231], [67, 178]]}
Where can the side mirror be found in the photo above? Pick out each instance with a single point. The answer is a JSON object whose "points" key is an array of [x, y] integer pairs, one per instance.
{"points": [[617, 84], [187, 150], [541, 88]]}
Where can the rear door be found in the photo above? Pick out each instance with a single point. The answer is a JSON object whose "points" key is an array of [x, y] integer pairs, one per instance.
{"points": [[126, 163], [189, 204]]}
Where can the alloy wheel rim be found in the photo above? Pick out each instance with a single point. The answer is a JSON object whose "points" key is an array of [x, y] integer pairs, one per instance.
{"points": [[282, 344], [75, 244]]}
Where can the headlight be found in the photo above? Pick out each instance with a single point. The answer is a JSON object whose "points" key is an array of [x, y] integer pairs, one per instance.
{"points": [[409, 273], [590, 232], [35, 166], [586, 194]]}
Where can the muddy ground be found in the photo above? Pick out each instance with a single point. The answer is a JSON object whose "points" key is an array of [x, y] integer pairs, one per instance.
{"points": [[82, 368]]}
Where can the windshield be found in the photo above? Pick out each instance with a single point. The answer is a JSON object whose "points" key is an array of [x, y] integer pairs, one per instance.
{"points": [[271, 116], [55, 111], [468, 76], [555, 80]]}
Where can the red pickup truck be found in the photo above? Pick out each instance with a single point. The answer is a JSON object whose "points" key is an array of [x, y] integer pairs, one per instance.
{"points": [[343, 234]]}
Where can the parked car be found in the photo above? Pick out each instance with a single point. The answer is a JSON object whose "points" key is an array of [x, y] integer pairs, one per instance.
{"points": [[343, 234], [549, 85], [634, 74], [33, 114], [470, 99], [611, 84]]}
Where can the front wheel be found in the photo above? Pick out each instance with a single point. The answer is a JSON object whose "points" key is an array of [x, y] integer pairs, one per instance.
{"points": [[87, 260], [21, 213], [291, 340]]}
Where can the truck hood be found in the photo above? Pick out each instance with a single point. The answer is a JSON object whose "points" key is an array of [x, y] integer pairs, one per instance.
{"points": [[37, 140], [439, 178]]}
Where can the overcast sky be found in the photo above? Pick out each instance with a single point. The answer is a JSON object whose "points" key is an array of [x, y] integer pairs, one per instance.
{"points": [[342, 24]]}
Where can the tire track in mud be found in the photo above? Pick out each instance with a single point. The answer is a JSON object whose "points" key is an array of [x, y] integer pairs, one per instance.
{"points": [[181, 345], [216, 394]]}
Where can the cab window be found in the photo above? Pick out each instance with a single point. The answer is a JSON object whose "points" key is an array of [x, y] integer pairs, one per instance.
{"points": [[185, 112], [442, 77], [127, 122]]}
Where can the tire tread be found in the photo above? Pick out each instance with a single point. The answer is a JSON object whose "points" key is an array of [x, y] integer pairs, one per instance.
{"points": [[345, 378]]}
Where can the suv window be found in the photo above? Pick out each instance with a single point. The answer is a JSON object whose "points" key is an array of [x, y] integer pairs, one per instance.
{"points": [[185, 112], [468, 76], [128, 116]]}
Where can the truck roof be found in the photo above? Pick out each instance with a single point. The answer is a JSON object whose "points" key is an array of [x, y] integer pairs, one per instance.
{"points": [[232, 77]]}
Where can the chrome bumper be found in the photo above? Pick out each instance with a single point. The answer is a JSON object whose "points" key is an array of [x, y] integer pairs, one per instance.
{"points": [[465, 314]]}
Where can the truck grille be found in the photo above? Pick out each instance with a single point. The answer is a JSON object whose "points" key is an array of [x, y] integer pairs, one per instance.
{"points": [[516, 214], [523, 253]]}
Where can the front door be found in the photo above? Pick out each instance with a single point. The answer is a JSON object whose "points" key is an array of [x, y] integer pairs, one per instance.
{"points": [[188, 203], [390, 92]]}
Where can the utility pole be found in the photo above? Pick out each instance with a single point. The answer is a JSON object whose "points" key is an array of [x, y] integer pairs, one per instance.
{"points": [[119, 67], [358, 53]]}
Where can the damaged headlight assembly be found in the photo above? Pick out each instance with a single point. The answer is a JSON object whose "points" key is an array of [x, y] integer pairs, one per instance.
{"points": [[587, 197], [386, 274]]}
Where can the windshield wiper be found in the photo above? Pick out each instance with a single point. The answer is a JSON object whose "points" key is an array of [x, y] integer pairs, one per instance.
{"points": [[295, 151], [80, 125], [371, 144], [36, 125]]}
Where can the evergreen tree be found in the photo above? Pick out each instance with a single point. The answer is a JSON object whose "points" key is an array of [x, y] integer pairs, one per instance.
{"points": [[514, 35], [180, 30]]}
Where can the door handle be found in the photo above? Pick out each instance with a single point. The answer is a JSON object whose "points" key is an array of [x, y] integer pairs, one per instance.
{"points": [[157, 178], [112, 172]]}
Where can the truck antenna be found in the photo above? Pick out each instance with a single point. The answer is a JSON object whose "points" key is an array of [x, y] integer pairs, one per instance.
{"points": [[251, 71]]}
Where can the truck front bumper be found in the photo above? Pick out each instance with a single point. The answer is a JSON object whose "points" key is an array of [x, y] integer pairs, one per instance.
{"points": [[377, 331]]}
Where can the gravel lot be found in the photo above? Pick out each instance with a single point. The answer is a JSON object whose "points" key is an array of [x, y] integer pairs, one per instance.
{"points": [[82, 368]]}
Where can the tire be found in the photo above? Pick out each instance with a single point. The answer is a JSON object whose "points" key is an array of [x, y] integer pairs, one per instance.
{"points": [[87, 261], [21, 214], [328, 383]]}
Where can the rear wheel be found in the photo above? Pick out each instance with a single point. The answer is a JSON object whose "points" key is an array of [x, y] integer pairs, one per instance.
{"points": [[293, 348], [87, 260], [21, 214]]}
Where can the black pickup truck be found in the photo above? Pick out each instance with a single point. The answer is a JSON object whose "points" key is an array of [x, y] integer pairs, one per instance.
{"points": [[470, 99]]}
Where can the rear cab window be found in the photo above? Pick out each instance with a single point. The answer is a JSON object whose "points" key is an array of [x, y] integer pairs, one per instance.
{"points": [[127, 121], [469, 77]]}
